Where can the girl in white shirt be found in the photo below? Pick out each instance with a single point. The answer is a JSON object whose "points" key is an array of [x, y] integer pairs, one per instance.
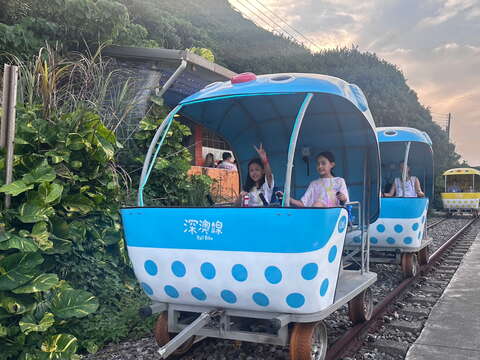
{"points": [[259, 180], [411, 187], [328, 190]]}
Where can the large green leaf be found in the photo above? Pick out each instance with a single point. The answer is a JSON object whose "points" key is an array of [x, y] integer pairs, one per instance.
{"points": [[60, 246], [3, 331], [100, 130], [75, 141], [34, 211], [58, 156], [41, 235], [49, 192], [15, 188], [24, 244], [17, 304], [111, 236], [42, 173], [78, 203], [4, 236], [42, 282], [59, 347], [29, 324], [73, 303], [18, 269]]}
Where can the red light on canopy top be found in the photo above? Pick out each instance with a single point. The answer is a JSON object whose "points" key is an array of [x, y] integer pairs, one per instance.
{"points": [[243, 77]]}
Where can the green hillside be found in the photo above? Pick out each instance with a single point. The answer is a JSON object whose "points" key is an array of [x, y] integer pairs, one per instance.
{"points": [[236, 42]]}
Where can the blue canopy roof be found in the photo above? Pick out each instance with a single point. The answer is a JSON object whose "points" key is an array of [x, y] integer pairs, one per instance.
{"points": [[286, 83], [402, 134], [264, 110]]}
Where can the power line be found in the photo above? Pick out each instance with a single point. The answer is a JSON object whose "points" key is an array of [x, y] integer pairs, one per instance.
{"points": [[290, 26], [255, 21], [261, 15], [252, 16], [272, 20]]}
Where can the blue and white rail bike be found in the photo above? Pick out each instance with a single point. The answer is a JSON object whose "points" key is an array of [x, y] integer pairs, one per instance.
{"points": [[247, 273], [399, 235]]}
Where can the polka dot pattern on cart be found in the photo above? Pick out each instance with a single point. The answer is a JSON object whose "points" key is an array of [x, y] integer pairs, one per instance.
{"points": [[150, 267], [148, 290], [178, 269], [309, 271], [332, 254], [171, 291], [295, 300], [208, 270], [260, 299], [324, 287], [239, 272], [342, 224], [198, 294], [228, 296], [273, 275]]}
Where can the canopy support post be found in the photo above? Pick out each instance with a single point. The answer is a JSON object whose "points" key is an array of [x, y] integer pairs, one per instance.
{"points": [[292, 147], [149, 161], [405, 166]]}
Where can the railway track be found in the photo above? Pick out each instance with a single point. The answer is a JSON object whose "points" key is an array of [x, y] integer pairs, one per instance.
{"points": [[435, 223], [352, 340]]}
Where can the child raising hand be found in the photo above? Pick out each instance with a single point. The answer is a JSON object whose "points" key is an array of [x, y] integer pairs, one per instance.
{"points": [[259, 182]]}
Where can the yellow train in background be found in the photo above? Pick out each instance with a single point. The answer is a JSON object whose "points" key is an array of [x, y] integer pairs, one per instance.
{"points": [[462, 190]]}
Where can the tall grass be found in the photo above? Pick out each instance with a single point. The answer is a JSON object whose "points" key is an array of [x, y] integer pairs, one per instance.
{"points": [[63, 83]]}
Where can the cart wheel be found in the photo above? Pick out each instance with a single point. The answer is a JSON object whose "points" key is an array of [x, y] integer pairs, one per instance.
{"points": [[308, 341], [360, 308], [410, 265], [424, 255], [162, 336]]}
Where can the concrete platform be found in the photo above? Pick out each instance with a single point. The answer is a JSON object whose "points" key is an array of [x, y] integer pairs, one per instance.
{"points": [[452, 330]]}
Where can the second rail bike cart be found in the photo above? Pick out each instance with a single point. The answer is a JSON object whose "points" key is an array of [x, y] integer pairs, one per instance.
{"points": [[399, 235], [462, 191], [266, 274]]}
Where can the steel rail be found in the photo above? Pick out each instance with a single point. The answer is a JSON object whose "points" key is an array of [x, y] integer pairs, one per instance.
{"points": [[347, 340], [429, 226]]}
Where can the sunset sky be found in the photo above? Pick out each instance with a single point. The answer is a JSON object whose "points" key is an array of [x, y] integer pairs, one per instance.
{"points": [[436, 43]]}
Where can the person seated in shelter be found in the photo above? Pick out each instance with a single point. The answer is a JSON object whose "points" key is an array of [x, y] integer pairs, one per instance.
{"points": [[411, 187], [328, 190], [209, 161], [454, 188], [227, 162], [259, 183]]}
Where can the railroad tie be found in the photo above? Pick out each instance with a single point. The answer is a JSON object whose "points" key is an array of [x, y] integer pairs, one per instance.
{"points": [[411, 326], [389, 347], [414, 311]]}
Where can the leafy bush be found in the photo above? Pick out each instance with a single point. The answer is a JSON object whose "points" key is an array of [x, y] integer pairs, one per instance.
{"points": [[66, 190]]}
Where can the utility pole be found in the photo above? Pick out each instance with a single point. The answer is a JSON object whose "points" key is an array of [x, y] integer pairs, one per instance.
{"points": [[448, 125], [7, 125]]}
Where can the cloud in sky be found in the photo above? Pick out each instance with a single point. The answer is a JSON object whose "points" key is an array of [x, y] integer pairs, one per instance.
{"points": [[436, 43]]}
